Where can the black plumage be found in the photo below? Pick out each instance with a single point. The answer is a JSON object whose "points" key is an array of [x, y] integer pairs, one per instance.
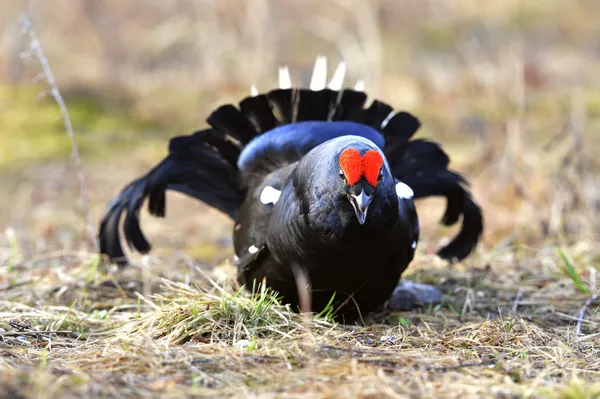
{"points": [[274, 165]]}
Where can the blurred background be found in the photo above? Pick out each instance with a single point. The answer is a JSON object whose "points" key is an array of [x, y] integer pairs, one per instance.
{"points": [[510, 88]]}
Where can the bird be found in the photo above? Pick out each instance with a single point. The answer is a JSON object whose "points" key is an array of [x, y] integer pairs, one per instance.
{"points": [[321, 189]]}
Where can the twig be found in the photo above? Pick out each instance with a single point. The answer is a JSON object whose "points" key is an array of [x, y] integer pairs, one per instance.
{"points": [[583, 309], [36, 48], [15, 285], [485, 363], [589, 337], [577, 122], [556, 138], [515, 305], [576, 318], [394, 366]]}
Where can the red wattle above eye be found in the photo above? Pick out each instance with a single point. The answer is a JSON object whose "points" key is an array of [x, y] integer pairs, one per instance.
{"points": [[372, 163], [354, 166], [351, 164]]}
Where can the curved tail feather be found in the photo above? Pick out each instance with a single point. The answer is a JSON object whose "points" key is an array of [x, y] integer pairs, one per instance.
{"points": [[423, 165], [468, 236], [198, 171]]}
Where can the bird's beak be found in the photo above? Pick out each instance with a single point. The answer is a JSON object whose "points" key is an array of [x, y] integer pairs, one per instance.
{"points": [[360, 203]]}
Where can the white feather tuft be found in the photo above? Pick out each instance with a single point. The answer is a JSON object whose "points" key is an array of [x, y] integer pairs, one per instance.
{"points": [[337, 81], [252, 249], [285, 82], [360, 85], [404, 191], [269, 195], [319, 76], [387, 119], [253, 91]]}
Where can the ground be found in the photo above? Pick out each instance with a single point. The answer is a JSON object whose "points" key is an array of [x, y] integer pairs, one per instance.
{"points": [[511, 91], [507, 328]]}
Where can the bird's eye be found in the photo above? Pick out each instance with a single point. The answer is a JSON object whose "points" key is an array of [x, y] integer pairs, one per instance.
{"points": [[380, 176], [342, 175]]}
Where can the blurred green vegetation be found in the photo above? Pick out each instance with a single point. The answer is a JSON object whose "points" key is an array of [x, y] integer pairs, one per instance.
{"points": [[510, 89], [33, 129]]}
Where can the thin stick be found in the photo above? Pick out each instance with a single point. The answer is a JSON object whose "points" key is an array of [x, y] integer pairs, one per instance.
{"points": [[515, 306], [583, 309], [36, 48]]}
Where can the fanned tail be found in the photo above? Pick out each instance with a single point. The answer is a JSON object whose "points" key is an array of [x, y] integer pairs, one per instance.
{"points": [[217, 166]]}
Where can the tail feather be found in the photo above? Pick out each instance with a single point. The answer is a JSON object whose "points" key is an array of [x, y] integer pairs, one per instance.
{"points": [[399, 130], [189, 146], [423, 166], [315, 105], [376, 114], [109, 236], [258, 111], [350, 106], [135, 237], [228, 119], [195, 168], [285, 81], [337, 80], [283, 105], [319, 76], [468, 236]]}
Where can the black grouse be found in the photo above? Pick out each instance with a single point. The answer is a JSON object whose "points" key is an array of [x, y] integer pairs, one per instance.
{"points": [[320, 187]]}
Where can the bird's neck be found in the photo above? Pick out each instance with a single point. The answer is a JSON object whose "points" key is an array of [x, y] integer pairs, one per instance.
{"points": [[330, 227]]}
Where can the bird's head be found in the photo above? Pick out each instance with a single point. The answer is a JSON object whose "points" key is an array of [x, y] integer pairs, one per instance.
{"points": [[360, 173], [349, 174]]}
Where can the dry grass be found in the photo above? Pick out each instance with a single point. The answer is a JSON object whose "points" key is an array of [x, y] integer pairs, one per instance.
{"points": [[511, 89], [72, 330]]}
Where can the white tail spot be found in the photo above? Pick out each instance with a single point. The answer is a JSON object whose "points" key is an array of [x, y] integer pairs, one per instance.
{"points": [[403, 191], [360, 85], [319, 76], [285, 82], [387, 119], [414, 245], [337, 81], [252, 249], [253, 91], [269, 195]]}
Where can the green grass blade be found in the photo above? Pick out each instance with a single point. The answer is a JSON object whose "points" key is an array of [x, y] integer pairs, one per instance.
{"points": [[570, 271]]}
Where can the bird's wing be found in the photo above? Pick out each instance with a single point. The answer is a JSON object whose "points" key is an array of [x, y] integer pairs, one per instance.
{"points": [[423, 165], [199, 165]]}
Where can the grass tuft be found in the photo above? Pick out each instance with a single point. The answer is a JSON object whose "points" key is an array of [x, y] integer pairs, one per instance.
{"points": [[185, 313]]}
